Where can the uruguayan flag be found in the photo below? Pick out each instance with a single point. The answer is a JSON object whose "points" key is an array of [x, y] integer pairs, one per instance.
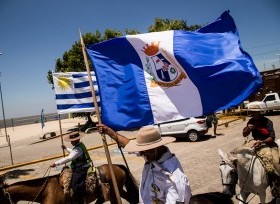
{"points": [[156, 77], [73, 93]]}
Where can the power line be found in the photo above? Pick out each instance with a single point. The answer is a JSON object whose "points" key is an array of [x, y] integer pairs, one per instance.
{"points": [[265, 53], [260, 46]]}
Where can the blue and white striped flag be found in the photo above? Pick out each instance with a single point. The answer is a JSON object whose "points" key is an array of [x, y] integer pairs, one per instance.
{"points": [[73, 93], [162, 76]]}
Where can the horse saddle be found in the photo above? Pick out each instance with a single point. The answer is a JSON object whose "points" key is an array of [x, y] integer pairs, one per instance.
{"points": [[265, 158], [93, 180]]}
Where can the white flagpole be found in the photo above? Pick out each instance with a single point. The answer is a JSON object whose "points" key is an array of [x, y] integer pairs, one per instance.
{"points": [[100, 122]]}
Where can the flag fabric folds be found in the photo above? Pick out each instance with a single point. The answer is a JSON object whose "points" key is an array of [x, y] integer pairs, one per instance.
{"points": [[73, 93], [162, 76]]}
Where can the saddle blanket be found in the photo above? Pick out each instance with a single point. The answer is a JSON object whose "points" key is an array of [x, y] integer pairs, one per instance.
{"points": [[65, 181]]}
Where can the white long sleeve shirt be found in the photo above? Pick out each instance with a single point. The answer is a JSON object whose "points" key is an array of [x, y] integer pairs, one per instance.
{"points": [[73, 154], [165, 182]]}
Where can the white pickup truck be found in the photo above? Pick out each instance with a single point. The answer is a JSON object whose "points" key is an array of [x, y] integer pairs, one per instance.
{"points": [[271, 101]]}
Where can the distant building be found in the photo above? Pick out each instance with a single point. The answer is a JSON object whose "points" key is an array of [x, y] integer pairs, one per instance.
{"points": [[271, 83]]}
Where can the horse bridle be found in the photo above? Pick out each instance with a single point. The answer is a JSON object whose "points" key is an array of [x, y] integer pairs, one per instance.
{"points": [[231, 184], [236, 196], [227, 184], [6, 194]]}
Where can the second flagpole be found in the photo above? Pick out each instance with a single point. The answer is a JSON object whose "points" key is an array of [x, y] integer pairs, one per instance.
{"points": [[100, 122]]}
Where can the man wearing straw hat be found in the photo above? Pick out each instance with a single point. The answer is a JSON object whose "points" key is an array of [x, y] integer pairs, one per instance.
{"points": [[264, 142], [163, 179], [80, 162]]}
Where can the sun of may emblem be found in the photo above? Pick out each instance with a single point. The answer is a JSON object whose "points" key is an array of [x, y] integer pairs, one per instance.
{"points": [[162, 67], [63, 82]]}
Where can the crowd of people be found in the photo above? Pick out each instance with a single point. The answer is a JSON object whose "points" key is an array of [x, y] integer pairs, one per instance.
{"points": [[163, 179]]}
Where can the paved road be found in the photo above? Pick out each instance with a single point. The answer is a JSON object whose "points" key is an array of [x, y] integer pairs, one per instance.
{"points": [[199, 159]]}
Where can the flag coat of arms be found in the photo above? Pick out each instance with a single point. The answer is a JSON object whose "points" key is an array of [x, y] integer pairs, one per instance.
{"points": [[73, 92], [162, 76]]}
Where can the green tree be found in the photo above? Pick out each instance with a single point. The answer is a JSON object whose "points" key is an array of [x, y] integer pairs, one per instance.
{"points": [[167, 24], [73, 61]]}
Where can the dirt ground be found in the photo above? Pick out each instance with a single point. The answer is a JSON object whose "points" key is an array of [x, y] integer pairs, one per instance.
{"points": [[200, 160]]}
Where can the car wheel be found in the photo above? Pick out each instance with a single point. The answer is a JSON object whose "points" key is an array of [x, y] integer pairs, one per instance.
{"points": [[193, 135]]}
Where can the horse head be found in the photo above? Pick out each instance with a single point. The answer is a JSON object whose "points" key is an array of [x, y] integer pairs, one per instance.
{"points": [[228, 173], [251, 173]]}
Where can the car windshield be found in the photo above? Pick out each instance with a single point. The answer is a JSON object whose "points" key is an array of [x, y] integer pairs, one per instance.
{"points": [[173, 121]]}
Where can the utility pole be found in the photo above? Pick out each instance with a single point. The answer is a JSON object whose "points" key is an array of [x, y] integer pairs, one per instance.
{"points": [[4, 120]]}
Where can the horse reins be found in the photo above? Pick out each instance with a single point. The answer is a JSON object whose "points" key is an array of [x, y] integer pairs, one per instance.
{"points": [[7, 194], [43, 186], [120, 148], [247, 175]]}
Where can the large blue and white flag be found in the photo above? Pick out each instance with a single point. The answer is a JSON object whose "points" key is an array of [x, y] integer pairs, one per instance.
{"points": [[162, 76], [73, 92]]}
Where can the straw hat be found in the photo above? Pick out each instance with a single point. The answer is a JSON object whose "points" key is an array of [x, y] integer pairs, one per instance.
{"points": [[73, 136], [148, 137]]}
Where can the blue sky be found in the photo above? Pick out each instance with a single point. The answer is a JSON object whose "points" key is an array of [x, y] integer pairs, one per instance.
{"points": [[33, 34]]}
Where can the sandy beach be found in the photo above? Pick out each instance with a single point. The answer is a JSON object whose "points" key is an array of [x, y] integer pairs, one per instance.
{"points": [[35, 131]]}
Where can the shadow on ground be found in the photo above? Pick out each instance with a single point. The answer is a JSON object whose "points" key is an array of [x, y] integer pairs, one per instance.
{"points": [[14, 174]]}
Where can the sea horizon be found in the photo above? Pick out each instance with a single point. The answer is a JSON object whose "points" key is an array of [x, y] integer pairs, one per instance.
{"points": [[26, 120]]}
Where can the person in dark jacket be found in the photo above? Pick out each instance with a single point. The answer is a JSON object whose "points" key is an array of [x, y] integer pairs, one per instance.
{"points": [[263, 142], [80, 163], [213, 119]]}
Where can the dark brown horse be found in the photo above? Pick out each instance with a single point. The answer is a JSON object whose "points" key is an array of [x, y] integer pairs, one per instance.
{"points": [[211, 198], [48, 190]]}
